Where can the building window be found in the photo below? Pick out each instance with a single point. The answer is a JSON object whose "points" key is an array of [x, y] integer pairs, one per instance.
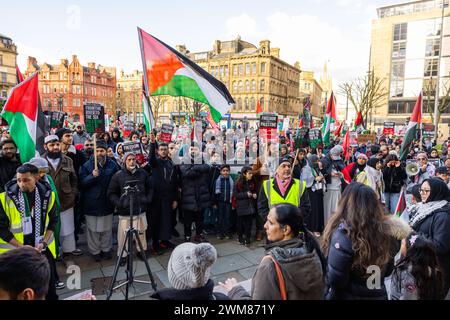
{"points": [[1, 59], [396, 88], [253, 86], [262, 85], [263, 68], [400, 31], [399, 107], [399, 50], [241, 87], [3, 77], [434, 28], [254, 68], [429, 87], [226, 71], [431, 68], [235, 69], [432, 48], [239, 104], [246, 104], [222, 71], [247, 86], [252, 104], [247, 68], [261, 102], [241, 69]]}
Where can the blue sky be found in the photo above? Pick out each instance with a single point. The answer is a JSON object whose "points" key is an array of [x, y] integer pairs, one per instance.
{"points": [[311, 31]]}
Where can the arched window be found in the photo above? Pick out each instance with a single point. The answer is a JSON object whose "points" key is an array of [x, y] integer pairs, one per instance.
{"points": [[262, 85], [239, 104], [253, 85], [235, 86], [261, 102], [252, 104], [246, 104], [247, 86], [241, 87]]}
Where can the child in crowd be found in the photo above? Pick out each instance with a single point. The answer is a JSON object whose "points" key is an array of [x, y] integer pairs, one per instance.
{"points": [[246, 194], [417, 275], [223, 193]]}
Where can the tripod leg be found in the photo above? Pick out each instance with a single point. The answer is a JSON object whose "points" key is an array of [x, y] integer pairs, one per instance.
{"points": [[141, 248], [129, 270], [116, 269]]}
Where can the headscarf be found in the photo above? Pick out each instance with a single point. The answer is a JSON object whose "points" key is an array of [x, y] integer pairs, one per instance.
{"points": [[373, 162], [335, 152], [438, 190]]}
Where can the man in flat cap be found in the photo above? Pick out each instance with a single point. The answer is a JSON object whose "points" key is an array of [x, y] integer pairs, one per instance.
{"points": [[95, 205], [63, 174]]}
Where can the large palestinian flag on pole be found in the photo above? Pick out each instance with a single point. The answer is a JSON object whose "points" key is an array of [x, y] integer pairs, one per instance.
{"points": [[168, 72], [330, 118], [359, 124], [411, 130], [25, 118]]}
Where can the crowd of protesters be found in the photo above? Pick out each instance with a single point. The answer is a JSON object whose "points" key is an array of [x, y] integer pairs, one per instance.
{"points": [[326, 219]]}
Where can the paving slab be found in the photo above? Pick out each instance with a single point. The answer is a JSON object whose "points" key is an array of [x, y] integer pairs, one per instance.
{"points": [[253, 256], [229, 263], [229, 248]]}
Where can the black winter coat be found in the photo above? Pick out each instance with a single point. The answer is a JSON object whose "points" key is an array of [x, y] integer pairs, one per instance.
{"points": [[202, 293], [394, 178], [121, 201], [436, 227], [346, 283], [7, 171], [328, 165], [196, 186], [166, 188], [244, 205], [94, 201]]}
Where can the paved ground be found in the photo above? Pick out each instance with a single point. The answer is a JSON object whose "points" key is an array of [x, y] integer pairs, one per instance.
{"points": [[234, 260]]}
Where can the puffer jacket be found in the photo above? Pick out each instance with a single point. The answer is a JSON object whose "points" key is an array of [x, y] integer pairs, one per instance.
{"points": [[436, 227], [302, 272], [196, 192], [394, 179], [343, 282], [244, 205]]}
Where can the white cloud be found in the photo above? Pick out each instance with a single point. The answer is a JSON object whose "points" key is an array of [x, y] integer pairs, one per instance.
{"points": [[242, 25]]}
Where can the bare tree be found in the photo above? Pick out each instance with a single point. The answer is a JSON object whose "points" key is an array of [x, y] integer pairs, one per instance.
{"points": [[193, 107], [156, 104], [365, 93], [429, 93]]}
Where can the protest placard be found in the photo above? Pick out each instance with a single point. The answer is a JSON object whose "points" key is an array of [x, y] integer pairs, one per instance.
{"points": [[166, 132], [94, 118]]}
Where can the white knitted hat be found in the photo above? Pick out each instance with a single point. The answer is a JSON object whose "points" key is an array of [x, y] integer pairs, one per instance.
{"points": [[189, 265]]}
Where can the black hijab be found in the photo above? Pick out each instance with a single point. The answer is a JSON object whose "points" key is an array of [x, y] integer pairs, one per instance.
{"points": [[438, 190]]}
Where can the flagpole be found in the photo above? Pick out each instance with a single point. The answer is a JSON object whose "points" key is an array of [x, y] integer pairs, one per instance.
{"points": [[144, 70]]}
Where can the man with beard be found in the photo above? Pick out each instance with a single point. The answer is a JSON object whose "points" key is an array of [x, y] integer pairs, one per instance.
{"points": [[88, 149], [80, 136], [196, 192], [28, 217], [95, 204], [283, 188], [162, 214], [9, 162], [65, 136], [63, 174]]}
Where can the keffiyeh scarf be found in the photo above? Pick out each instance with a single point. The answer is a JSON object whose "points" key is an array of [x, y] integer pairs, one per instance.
{"points": [[422, 210], [37, 213]]}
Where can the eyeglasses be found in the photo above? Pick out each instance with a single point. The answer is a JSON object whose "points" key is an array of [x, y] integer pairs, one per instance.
{"points": [[421, 159], [88, 145], [424, 190]]}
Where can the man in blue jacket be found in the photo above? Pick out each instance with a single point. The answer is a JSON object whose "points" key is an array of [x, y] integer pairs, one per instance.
{"points": [[95, 205]]}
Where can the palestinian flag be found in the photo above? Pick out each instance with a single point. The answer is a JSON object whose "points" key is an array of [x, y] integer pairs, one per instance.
{"points": [[401, 204], [26, 120], [346, 145], [337, 132], [19, 75], [149, 119], [168, 72], [258, 108], [411, 130], [330, 119], [306, 119], [359, 125]]}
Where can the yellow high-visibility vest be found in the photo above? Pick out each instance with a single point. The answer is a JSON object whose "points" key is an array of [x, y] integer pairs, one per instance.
{"points": [[293, 197], [15, 222]]}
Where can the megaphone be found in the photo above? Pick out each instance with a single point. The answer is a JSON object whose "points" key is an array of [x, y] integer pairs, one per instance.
{"points": [[412, 169]]}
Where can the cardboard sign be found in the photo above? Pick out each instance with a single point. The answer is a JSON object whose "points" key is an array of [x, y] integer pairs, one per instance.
{"points": [[364, 138], [94, 118], [57, 119], [353, 139], [427, 130], [134, 147], [314, 137], [389, 127], [268, 121], [166, 132]]}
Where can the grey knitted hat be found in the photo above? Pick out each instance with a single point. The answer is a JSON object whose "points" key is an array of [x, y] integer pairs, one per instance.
{"points": [[189, 265]]}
